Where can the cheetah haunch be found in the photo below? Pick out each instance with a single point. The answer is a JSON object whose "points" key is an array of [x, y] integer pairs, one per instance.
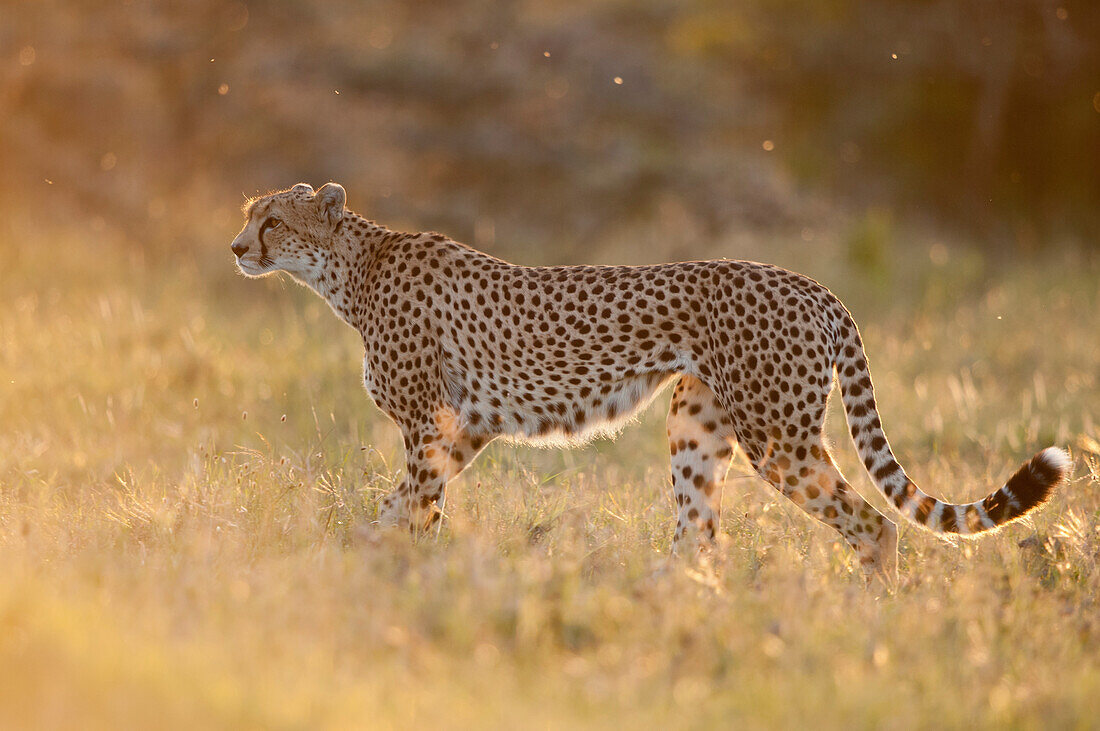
{"points": [[462, 348]]}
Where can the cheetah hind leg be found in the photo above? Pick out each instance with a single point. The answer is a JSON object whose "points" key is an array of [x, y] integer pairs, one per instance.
{"points": [[701, 442], [819, 488]]}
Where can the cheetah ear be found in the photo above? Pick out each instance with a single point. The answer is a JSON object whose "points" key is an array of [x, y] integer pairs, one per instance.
{"points": [[303, 188], [331, 198]]}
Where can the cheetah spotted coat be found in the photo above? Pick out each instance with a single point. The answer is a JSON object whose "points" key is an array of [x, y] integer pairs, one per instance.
{"points": [[461, 348]]}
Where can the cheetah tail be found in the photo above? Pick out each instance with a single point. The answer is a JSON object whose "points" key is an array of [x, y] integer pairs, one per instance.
{"points": [[1027, 489]]}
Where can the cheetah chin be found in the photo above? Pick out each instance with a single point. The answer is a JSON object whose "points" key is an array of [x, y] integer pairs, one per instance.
{"points": [[462, 348]]}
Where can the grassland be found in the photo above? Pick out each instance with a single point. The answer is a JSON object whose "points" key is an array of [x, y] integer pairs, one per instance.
{"points": [[188, 467]]}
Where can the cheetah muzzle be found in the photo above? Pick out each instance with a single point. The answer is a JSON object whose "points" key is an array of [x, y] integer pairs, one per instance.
{"points": [[462, 348]]}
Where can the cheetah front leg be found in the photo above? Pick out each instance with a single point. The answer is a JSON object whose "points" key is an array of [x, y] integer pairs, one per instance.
{"points": [[433, 457], [701, 441]]}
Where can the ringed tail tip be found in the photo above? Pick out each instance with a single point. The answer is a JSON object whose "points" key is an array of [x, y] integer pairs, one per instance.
{"points": [[1034, 482]]}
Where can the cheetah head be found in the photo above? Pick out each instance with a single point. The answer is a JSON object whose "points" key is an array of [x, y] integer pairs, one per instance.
{"points": [[290, 231]]}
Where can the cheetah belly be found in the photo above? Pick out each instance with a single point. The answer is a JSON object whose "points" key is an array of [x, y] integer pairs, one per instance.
{"points": [[572, 414]]}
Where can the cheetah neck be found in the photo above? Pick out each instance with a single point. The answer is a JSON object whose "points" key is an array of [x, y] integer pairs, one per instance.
{"points": [[343, 278]]}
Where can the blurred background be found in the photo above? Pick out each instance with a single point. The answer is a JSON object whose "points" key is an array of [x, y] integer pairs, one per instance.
{"points": [[548, 130]]}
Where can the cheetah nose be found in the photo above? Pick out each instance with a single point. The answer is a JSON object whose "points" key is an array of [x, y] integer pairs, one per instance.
{"points": [[239, 248]]}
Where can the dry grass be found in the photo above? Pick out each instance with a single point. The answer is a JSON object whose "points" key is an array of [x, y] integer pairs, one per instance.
{"points": [[171, 562]]}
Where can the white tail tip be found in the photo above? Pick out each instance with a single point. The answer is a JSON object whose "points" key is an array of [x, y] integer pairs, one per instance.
{"points": [[1056, 458]]}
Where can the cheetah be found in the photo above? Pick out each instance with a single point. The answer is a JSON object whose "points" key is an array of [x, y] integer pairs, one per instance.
{"points": [[461, 348]]}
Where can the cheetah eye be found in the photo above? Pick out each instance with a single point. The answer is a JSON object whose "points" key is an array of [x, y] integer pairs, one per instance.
{"points": [[272, 223]]}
